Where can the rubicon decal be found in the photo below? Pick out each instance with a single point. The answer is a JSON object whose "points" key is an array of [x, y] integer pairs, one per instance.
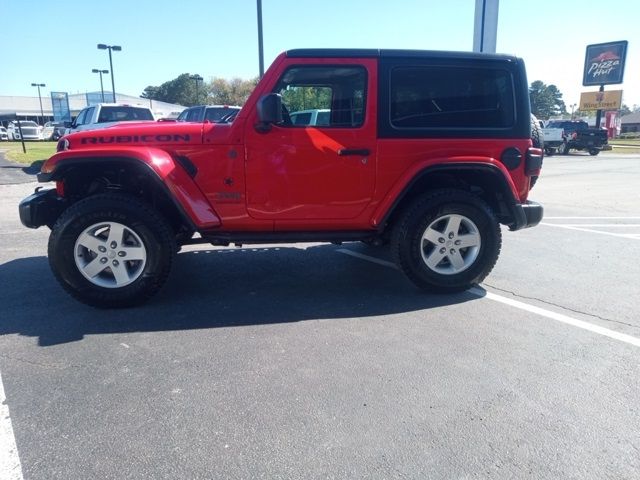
{"points": [[163, 138]]}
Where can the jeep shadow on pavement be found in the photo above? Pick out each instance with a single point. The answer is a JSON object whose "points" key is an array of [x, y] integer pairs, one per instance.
{"points": [[221, 288]]}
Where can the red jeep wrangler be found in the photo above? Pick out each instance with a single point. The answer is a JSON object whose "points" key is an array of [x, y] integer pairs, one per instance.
{"points": [[427, 151]]}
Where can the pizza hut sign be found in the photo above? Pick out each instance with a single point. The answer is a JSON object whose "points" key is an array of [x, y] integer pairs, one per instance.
{"points": [[604, 63]]}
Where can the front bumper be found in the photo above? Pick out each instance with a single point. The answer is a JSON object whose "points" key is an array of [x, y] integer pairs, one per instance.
{"points": [[526, 215], [42, 207]]}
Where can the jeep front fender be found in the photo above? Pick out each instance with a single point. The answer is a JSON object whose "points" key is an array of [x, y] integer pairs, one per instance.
{"points": [[164, 168]]}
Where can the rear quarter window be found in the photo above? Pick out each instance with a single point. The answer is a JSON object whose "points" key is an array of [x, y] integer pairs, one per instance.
{"points": [[443, 97]]}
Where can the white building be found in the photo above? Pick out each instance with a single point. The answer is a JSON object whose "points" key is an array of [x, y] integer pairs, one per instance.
{"points": [[28, 108]]}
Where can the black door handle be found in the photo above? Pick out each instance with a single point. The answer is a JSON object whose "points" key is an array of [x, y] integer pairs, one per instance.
{"points": [[343, 152]]}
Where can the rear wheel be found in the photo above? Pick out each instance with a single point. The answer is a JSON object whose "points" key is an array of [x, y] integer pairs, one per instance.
{"points": [[447, 241], [111, 250], [564, 148], [594, 151]]}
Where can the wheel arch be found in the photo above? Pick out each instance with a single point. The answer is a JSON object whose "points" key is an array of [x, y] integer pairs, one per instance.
{"points": [[168, 184], [484, 180]]}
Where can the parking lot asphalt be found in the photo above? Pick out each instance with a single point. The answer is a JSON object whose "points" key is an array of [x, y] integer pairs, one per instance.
{"points": [[323, 361], [13, 173]]}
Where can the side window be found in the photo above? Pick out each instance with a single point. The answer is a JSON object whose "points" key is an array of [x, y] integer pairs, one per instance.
{"points": [[451, 97], [331, 96]]}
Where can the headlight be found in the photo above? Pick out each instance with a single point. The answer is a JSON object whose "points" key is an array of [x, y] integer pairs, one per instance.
{"points": [[63, 144]]}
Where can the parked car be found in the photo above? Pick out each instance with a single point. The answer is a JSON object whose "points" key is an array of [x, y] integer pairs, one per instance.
{"points": [[210, 113], [318, 116], [104, 115], [4, 136], [53, 131], [30, 130]]}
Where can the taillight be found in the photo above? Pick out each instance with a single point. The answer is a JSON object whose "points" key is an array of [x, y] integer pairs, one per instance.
{"points": [[60, 188]]}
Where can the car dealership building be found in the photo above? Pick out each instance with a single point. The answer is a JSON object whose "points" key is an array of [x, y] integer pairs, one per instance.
{"points": [[28, 108]]}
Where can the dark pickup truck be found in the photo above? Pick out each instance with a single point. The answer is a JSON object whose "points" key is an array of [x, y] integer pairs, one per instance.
{"points": [[578, 136]]}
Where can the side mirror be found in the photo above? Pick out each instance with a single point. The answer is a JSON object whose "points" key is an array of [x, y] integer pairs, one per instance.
{"points": [[68, 124], [269, 112]]}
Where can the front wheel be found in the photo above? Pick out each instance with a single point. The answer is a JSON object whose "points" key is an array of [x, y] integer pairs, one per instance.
{"points": [[111, 250], [447, 241]]}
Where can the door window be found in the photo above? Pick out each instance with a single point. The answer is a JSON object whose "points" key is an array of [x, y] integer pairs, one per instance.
{"points": [[336, 92]]}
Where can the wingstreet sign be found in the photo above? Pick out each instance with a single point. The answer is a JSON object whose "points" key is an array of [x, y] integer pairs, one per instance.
{"points": [[604, 63], [611, 100]]}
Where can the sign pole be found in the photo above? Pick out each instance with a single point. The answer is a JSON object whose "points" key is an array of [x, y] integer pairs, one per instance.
{"points": [[599, 112]]}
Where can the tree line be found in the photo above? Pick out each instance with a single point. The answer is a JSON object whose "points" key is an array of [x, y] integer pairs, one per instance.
{"points": [[183, 90], [546, 100]]}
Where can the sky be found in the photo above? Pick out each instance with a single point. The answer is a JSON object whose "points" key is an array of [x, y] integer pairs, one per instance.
{"points": [[55, 42]]}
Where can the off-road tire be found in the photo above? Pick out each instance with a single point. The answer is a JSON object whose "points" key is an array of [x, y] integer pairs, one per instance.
{"points": [[407, 239], [536, 134], [149, 226]]}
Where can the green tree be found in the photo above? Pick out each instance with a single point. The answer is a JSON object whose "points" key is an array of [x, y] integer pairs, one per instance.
{"points": [[546, 100], [625, 110], [230, 92], [181, 90]]}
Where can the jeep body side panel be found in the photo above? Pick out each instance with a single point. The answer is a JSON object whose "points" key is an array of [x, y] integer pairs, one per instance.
{"points": [[176, 179], [400, 161]]}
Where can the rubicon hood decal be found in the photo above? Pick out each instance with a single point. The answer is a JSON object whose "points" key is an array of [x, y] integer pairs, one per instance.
{"points": [[160, 138]]}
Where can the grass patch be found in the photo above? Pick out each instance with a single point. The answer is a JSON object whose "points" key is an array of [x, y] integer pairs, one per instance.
{"points": [[625, 141], [35, 151], [625, 149]]}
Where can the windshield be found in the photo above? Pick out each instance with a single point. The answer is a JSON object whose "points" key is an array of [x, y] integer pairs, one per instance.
{"points": [[124, 114], [24, 123]]}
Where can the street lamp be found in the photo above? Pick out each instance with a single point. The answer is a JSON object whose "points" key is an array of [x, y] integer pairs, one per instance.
{"points": [[40, 97], [115, 48], [197, 79], [95, 70], [260, 52], [573, 106]]}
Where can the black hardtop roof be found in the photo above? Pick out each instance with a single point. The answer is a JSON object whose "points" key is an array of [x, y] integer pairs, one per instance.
{"points": [[382, 53]]}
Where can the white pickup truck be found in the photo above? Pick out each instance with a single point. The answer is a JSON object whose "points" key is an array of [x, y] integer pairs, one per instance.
{"points": [[104, 115], [553, 139]]}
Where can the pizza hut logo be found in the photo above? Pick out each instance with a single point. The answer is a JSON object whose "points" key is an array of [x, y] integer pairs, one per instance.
{"points": [[603, 64]]}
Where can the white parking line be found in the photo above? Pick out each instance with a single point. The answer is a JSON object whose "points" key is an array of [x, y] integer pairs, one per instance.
{"points": [[621, 337], [10, 468], [591, 218], [579, 228]]}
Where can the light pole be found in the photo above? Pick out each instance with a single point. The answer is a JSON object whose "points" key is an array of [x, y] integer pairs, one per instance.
{"points": [[197, 79], [115, 48], [95, 70], [260, 52], [40, 97], [573, 106]]}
